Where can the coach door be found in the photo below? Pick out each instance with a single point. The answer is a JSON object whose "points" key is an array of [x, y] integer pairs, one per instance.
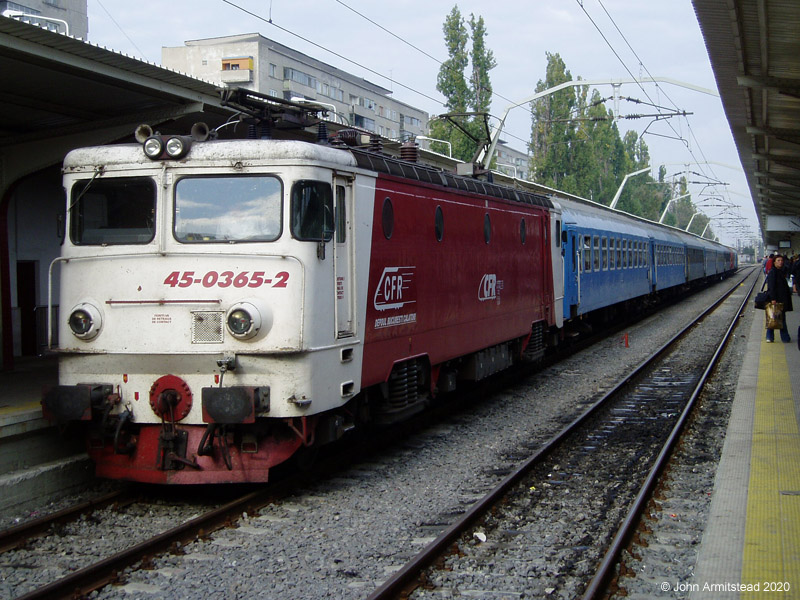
{"points": [[572, 257], [343, 256]]}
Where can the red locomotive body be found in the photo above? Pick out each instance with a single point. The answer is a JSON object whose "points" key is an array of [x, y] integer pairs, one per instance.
{"points": [[458, 281]]}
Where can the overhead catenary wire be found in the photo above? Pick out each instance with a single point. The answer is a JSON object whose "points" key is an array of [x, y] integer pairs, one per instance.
{"points": [[113, 20], [333, 52], [661, 90], [643, 66]]}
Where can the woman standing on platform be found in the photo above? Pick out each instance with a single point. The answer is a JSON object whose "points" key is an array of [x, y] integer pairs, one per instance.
{"points": [[778, 291]]}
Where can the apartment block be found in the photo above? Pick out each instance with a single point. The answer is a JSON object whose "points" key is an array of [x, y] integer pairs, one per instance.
{"points": [[63, 16], [255, 62]]}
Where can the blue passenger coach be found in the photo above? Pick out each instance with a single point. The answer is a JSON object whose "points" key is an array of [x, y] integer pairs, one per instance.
{"points": [[612, 258], [606, 260]]}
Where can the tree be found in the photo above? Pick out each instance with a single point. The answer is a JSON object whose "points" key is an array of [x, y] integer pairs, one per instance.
{"points": [[482, 62], [576, 147], [462, 97], [551, 129]]}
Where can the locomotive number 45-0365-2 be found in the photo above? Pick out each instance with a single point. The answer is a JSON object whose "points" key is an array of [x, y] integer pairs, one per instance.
{"points": [[225, 279]]}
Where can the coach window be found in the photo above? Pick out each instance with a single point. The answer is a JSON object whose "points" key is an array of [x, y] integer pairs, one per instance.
{"points": [[229, 209], [619, 254], [387, 218], [587, 253], [112, 211], [438, 224], [611, 254], [487, 228], [604, 244], [624, 254], [523, 234], [596, 253]]}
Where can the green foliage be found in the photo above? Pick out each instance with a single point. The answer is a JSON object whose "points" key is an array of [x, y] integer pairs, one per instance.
{"points": [[462, 94], [576, 147]]}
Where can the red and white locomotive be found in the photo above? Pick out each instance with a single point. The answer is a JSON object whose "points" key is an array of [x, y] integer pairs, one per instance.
{"points": [[227, 302]]}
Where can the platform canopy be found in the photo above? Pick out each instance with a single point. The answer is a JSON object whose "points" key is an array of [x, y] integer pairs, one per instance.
{"points": [[58, 93], [754, 49]]}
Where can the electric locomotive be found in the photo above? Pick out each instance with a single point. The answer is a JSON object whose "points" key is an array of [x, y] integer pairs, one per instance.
{"points": [[226, 303]]}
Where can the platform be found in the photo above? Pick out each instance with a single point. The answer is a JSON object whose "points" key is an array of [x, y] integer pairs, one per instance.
{"points": [[36, 463], [21, 394], [752, 540]]}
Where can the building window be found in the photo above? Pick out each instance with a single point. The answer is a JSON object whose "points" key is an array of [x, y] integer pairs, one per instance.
{"points": [[299, 77]]}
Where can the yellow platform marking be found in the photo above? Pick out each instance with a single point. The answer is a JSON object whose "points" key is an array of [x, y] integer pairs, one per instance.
{"points": [[772, 531], [26, 406]]}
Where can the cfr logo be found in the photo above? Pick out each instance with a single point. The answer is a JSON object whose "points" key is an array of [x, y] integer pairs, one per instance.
{"points": [[395, 288], [488, 288]]}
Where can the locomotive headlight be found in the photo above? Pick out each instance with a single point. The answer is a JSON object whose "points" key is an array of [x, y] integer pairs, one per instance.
{"points": [[159, 147], [85, 321], [177, 147], [240, 322], [153, 147], [249, 319]]}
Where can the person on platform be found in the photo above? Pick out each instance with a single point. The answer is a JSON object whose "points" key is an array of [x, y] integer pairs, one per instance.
{"points": [[778, 291]]}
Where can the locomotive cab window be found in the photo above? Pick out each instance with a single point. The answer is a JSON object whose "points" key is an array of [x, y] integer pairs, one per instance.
{"points": [[312, 211], [113, 211], [228, 209]]}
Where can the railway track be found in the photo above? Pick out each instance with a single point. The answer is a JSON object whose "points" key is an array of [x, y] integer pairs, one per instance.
{"points": [[86, 572], [596, 474], [179, 537]]}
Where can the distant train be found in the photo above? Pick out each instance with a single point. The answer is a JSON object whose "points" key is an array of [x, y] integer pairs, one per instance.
{"points": [[226, 303]]}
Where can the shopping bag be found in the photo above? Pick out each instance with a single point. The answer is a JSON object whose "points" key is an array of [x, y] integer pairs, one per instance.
{"points": [[774, 314]]}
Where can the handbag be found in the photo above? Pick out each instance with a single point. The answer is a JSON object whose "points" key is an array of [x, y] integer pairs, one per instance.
{"points": [[774, 313], [762, 298]]}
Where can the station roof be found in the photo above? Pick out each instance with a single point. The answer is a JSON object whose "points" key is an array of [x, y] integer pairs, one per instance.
{"points": [[54, 87], [754, 49]]}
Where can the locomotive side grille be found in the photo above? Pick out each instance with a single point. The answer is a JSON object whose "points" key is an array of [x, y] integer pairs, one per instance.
{"points": [[535, 349], [207, 327], [403, 384]]}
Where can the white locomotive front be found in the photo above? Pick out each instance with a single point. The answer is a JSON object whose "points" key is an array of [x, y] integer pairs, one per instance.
{"points": [[208, 304]]}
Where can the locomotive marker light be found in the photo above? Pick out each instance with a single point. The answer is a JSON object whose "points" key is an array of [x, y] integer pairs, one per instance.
{"points": [[85, 321]]}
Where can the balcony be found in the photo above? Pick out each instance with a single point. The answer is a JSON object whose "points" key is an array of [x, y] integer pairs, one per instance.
{"points": [[236, 75]]}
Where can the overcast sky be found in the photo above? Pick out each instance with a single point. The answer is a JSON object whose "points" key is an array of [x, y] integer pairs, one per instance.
{"points": [[598, 40]]}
